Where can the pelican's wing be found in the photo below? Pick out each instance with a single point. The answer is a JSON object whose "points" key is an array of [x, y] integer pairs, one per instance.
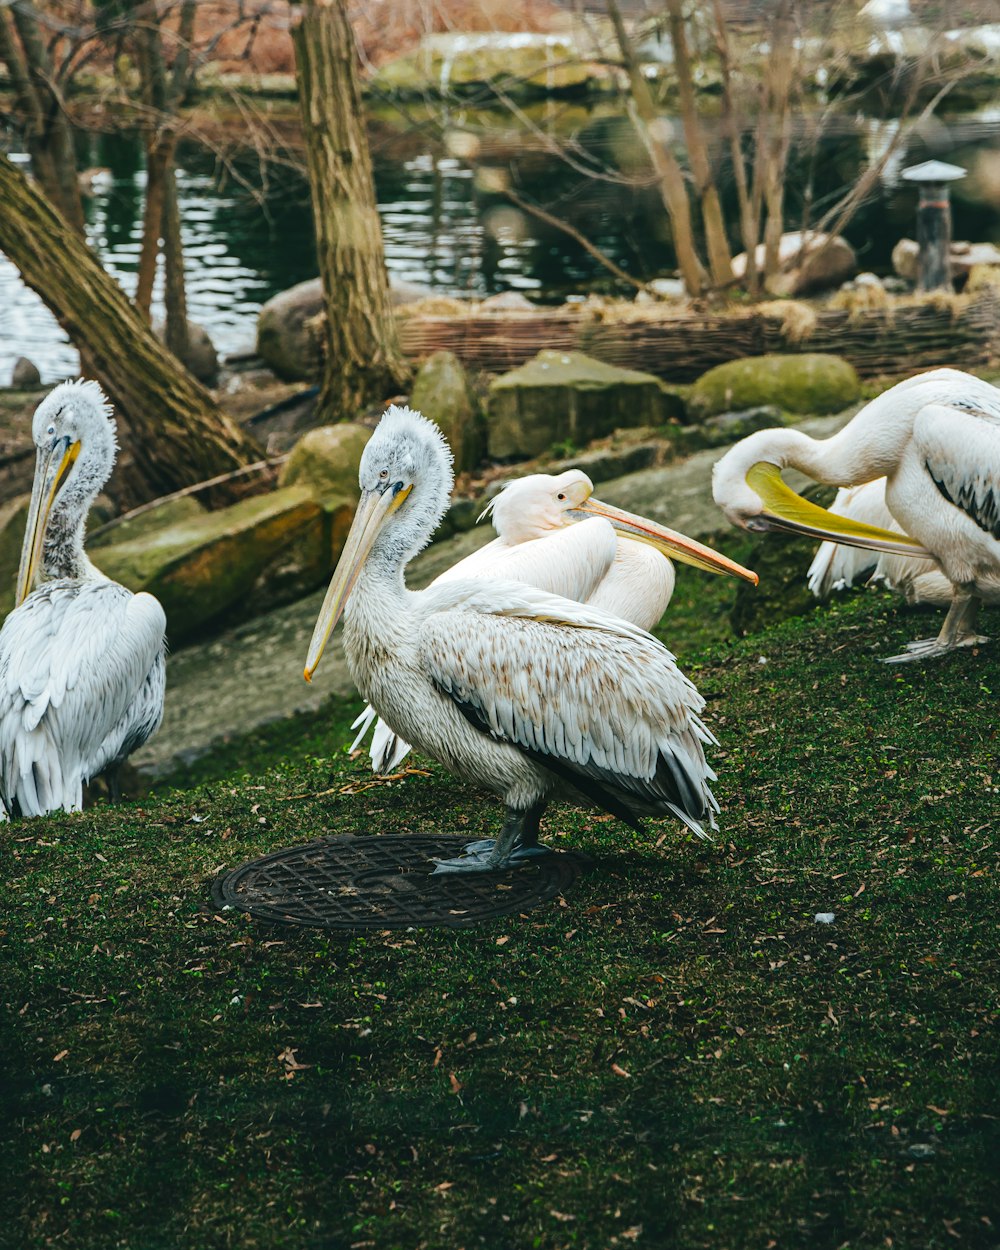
{"points": [[837, 566], [591, 697], [571, 562], [74, 657], [959, 443]]}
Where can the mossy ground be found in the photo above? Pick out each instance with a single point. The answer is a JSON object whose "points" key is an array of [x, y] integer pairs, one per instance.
{"points": [[675, 1055]]}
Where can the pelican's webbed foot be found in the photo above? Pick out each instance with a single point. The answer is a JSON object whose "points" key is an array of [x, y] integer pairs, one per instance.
{"points": [[957, 631], [517, 844]]}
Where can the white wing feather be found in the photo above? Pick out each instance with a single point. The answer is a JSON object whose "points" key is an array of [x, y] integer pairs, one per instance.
{"points": [[591, 696], [79, 667]]}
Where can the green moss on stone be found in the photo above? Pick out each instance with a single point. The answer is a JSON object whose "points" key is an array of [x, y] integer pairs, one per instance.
{"points": [[805, 383]]}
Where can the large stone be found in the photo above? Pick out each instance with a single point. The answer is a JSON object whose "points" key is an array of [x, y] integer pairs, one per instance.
{"points": [[805, 263], [567, 397], [809, 382], [201, 357], [236, 562], [519, 62], [284, 339], [171, 512], [441, 391], [325, 461], [25, 376]]}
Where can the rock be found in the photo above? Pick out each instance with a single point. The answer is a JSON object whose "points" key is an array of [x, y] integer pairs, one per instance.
{"points": [[668, 288], [201, 357], [172, 512], [519, 62], [402, 292], [906, 259], [730, 427], [236, 562], [809, 382], [441, 391], [507, 301], [284, 339], [802, 266], [325, 461], [13, 518], [560, 397], [25, 376]]}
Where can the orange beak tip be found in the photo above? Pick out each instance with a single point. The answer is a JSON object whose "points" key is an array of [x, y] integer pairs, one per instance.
{"points": [[307, 674]]}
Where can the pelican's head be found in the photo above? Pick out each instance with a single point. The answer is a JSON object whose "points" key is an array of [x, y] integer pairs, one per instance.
{"points": [[74, 436], [532, 506], [748, 486], [406, 479]]}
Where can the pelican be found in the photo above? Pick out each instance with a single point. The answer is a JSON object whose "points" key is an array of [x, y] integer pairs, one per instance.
{"points": [[835, 567], [82, 659], [936, 440], [539, 542], [528, 694]]}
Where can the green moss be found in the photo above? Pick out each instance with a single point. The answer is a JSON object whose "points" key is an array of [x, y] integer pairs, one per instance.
{"points": [[807, 383]]}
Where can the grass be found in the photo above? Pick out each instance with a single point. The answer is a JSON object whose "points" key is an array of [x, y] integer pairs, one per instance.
{"points": [[676, 1054]]}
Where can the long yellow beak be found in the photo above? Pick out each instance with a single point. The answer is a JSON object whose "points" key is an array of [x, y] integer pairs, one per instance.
{"points": [[669, 542], [52, 467], [369, 518], [786, 510]]}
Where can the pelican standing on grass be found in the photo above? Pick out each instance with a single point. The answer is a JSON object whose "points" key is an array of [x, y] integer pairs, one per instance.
{"points": [[625, 571], [530, 695], [936, 440], [82, 659]]}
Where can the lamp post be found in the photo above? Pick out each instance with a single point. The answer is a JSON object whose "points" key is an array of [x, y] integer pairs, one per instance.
{"points": [[933, 221]]}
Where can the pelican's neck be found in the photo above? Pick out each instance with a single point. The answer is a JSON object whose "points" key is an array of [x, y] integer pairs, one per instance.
{"points": [[63, 553]]}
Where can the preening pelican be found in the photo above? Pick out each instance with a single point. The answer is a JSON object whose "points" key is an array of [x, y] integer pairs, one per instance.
{"points": [[625, 572], [525, 693], [936, 440], [836, 567], [82, 659]]}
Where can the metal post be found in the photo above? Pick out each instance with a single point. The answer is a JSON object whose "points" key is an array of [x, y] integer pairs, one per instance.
{"points": [[933, 221]]}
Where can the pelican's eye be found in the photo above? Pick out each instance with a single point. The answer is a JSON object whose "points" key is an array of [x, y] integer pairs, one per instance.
{"points": [[51, 430], [383, 475], [560, 497]]}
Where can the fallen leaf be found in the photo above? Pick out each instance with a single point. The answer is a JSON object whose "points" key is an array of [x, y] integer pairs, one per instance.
{"points": [[938, 1110], [561, 1215], [619, 1071], [75, 1135], [444, 1187], [456, 1084], [60, 1057]]}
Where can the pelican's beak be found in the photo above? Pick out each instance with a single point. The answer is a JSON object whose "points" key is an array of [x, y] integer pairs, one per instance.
{"points": [[672, 544], [373, 509], [52, 467], [786, 510]]}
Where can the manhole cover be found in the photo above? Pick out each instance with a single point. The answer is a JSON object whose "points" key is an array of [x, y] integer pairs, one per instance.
{"points": [[349, 882]]}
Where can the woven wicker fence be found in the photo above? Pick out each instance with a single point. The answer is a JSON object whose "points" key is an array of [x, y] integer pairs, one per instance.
{"points": [[901, 338]]}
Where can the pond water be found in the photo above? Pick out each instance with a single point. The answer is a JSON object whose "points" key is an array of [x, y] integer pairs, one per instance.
{"points": [[448, 226]]}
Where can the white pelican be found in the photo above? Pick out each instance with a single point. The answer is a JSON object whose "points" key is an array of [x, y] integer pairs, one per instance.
{"points": [[539, 542], [836, 567], [936, 440], [525, 693], [82, 659]]}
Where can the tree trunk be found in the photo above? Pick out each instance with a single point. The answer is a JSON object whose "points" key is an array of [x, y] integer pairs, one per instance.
{"points": [[177, 434], [643, 112], [717, 245], [362, 361], [175, 293], [780, 73], [159, 158]]}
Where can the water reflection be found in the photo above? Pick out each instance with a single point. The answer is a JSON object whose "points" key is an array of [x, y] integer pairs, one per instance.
{"points": [[448, 225]]}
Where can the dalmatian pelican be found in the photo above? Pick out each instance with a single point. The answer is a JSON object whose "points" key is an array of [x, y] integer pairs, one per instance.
{"points": [[935, 438], [539, 542], [836, 567], [82, 659], [528, 694]]}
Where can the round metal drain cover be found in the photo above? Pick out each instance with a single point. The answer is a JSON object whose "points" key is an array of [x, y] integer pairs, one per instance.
{"points": [[350, 882]]}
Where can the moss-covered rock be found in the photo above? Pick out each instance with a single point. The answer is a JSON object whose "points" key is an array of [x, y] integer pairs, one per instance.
{"points": [[809, 382], [173, 512], [463, 63], [441, 391], [325, 461], [238, 561], [568, 397]]}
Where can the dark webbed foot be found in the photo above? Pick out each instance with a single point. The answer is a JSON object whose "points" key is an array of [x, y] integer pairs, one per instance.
{"points": [[517, 844]]}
